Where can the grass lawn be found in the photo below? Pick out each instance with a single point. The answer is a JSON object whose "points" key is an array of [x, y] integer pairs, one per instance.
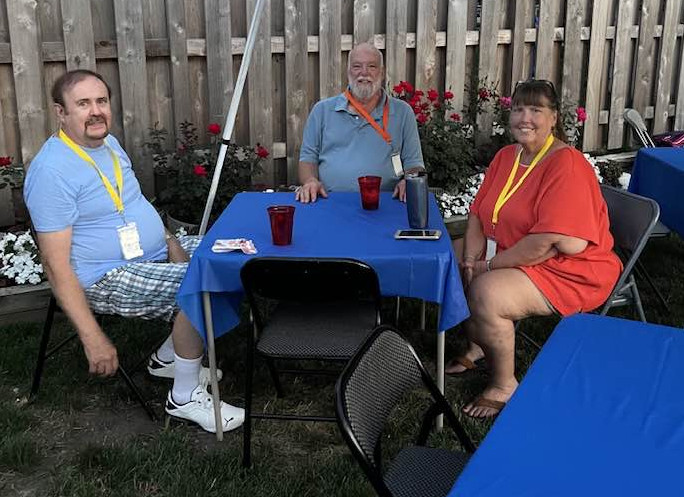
{"points": [[84, 436]]}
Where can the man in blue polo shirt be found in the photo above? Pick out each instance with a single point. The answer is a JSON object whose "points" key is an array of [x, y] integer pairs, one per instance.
{"points": [[360, 132], [104, 247]]}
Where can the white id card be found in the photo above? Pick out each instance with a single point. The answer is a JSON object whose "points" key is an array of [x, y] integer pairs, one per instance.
{"points": [[491, 249], [129, 240], [397, 165]]}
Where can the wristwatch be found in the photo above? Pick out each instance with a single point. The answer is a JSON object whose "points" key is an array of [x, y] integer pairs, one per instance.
{"points": [[168, 236]]}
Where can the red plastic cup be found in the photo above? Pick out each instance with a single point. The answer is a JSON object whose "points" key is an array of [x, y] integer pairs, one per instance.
{"points": [[281, 217], [370, 191]]}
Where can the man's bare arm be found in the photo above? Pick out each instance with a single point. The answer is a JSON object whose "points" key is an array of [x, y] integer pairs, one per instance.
{"points": [[55, 249]]}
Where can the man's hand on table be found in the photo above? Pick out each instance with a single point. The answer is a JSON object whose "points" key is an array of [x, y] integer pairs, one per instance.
{"points": [[310, 191], [400, 190]]}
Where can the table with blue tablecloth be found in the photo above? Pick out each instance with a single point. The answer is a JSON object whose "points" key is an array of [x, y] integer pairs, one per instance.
{"points": [[658, 173], [600, 412], [334, 227]]}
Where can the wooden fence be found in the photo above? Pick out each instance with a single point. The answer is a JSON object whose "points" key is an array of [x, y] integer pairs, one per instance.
{"points": [[174, 60]]}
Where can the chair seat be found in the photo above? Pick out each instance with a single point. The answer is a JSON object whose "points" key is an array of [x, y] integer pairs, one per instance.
{"points": [[320, 331], [660, 230], [424, 471]]}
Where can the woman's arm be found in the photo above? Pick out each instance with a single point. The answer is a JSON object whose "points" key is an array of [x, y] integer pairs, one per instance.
{"points": [[536, 248]]}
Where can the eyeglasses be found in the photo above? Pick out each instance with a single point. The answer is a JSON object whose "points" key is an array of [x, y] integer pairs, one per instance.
{"points": [[536, 83]]}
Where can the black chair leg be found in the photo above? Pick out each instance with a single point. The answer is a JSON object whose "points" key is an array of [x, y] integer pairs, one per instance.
{"points": [[136, 392], [247, 425], [643, 274], [42, 351], [275, 377]]}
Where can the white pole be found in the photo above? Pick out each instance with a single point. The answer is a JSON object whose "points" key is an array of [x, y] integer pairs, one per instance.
{"points": [[232, 113]]}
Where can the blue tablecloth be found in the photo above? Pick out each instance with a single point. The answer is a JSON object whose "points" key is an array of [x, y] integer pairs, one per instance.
{"points": [[600, 412], [658, 173], [333, 227]]}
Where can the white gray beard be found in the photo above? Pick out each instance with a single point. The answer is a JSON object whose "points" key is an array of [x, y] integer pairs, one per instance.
{"points": [[364, 91]]}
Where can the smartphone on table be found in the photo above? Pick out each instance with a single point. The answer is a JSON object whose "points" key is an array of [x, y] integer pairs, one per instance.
{"points": [[417, 234]]}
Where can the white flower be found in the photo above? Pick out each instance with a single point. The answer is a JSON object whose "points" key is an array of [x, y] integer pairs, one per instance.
{"points": [[181, 231], [19, 255], [240, 154], [459, 204], [497, 129], [624, 180]]}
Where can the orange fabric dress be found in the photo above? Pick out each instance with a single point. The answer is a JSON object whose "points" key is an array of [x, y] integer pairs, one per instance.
{"points": [[560, 195]]}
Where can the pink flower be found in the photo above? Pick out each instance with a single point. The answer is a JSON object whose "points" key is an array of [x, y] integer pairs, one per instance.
{"points": [[5, 161], [505, 102], [261, 151], [214, 128], [581, 114], [448, 95], [422, 118], [432, 95], [199, 170], [483, 93], [455, 117]]}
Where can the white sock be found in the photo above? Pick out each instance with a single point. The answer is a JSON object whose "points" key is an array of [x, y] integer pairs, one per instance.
{"points": [[186, 378], [166, 353]]}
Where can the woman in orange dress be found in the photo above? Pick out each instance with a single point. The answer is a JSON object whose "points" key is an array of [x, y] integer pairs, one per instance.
{"points": [[537, 241]]}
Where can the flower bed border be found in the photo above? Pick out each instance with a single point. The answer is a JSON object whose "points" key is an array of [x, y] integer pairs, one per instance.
{"points": [[24, 303]]}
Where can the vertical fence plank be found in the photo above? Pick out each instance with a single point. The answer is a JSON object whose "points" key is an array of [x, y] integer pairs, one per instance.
{"points": [[621, 73], [296, 78], [178, 59], [666, 64], [6, 205], [219, 57], [487, 64], [544, 44], [457, 26], [645, 55], [27, 64], [330, 47], [523, 13], [364, 21], [426, 39], [79, 42], [572, 54], [679, 118], [260, 83], [395, 42], [132, 74], [597, 46]]}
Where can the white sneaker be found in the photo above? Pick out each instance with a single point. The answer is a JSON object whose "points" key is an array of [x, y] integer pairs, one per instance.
{"points": [[200, 410], [161, 369]]}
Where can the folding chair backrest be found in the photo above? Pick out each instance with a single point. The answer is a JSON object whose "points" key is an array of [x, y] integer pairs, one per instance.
{"points": [[634, 119], [632, 219], [371, 386], [310, 280]]}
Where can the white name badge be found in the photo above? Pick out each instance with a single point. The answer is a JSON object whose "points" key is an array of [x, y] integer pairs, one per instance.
{"points": [[129, 240], [397, 165], [491, 249]]}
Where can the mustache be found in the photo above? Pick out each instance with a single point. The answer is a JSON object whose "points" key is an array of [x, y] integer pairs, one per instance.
{"points": [[95, 120]]}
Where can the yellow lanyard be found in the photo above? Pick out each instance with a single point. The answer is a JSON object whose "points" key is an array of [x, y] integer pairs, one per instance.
{"points": [[118, 175], [507, 192]]}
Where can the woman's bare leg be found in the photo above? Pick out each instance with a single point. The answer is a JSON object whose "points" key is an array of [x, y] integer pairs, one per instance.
{"points": [[497, 299]]}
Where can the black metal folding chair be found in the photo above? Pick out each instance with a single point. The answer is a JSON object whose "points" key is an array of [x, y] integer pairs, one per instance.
{"points": [[326, 308], [44, 353], [632, 220], [382, 372]]}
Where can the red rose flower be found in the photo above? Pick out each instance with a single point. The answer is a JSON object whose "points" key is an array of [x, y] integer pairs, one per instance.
{"points": [[418, 93], [581, 114], [199, 170], [407, 86], [5, 161], [261, 151], [436, 104], [398, 88], [455, 117], [448, 95], [421, 118], [483, 93], [432, 95], [214, 129]]}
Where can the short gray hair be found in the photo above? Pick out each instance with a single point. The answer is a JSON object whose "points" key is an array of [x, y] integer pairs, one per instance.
{"points": [[372, 47]]}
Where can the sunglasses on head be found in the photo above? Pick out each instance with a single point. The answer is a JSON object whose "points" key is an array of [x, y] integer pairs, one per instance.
{"points": [[536, 82]]}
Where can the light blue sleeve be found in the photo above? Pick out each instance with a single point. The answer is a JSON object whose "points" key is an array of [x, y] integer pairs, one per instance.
{"points": [[313, 131], [51, 201], [411, 154]]}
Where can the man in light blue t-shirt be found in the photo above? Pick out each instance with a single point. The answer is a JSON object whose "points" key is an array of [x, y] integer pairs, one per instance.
{"points": [[363, 131], [105, 249]]}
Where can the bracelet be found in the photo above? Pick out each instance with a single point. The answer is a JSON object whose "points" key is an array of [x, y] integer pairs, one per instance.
{"points": [[488, 263], [469, 258], [168, 236]]}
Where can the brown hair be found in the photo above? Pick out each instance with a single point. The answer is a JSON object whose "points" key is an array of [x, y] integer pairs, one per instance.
{"points": [[541, 93], [69, 79]]}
